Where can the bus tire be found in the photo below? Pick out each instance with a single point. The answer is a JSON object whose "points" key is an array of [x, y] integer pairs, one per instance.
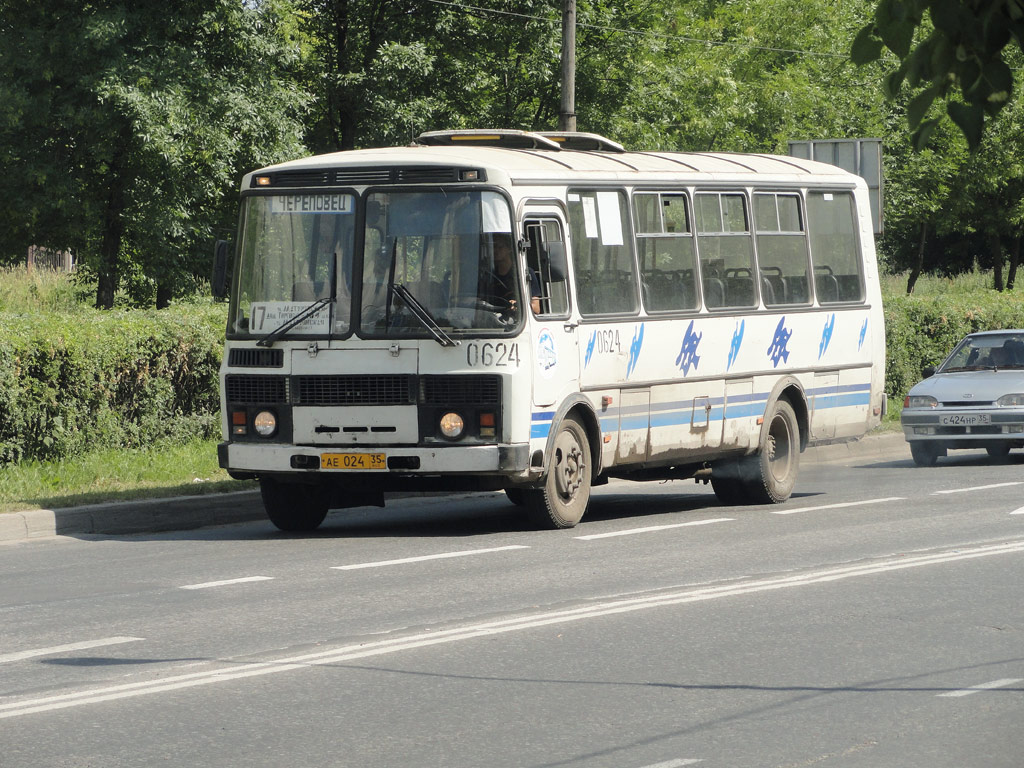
{"points": [[773, 469], [728, 489], [562, 500], [293, 507]]}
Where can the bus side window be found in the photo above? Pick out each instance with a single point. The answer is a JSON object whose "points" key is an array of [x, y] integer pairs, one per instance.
{"points": [[546, 262], [838, 273], [726, 249], [665, 251], [781, 249], [603, 264]]}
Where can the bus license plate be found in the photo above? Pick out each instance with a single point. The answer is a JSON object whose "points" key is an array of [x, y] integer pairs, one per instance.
{"points": [[353, 461]]}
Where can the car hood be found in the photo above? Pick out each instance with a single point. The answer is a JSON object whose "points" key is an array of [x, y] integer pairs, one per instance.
{"points": [[979, 386]]}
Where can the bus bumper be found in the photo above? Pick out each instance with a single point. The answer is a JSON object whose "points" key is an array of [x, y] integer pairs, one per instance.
{"points": [[245, 459]]}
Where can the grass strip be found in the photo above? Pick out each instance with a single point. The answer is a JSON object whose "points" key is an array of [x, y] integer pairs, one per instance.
{"points": [[157, 471]]}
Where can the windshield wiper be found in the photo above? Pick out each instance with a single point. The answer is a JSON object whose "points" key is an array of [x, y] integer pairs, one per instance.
{"points": [[422, 314], [287, 325]]}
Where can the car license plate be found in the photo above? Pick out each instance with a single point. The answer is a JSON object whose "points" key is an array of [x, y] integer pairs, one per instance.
{"points": [[965, 420], [353, 461]]}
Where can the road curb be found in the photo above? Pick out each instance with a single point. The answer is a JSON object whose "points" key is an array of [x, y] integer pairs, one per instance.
{"points": [[181, 513]]}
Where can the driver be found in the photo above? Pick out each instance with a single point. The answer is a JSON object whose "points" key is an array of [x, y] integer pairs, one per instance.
{"points": [[501, 281]]}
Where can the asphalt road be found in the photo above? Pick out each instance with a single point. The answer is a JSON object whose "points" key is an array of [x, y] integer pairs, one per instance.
{"points": [[872, 620]]}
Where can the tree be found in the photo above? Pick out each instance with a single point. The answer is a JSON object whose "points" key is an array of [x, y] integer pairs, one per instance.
{"points": [[950, 50], [128, 124]]}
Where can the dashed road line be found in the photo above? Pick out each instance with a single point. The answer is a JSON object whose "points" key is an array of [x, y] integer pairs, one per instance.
{"points": [[58, 649], [362, 650], [648, 529], [983, 687], [227, 582], [835, 506], [975, 488], [424, 558], [675, 763]]}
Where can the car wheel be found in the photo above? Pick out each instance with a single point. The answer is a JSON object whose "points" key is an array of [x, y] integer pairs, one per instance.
{"points": [[563, 499], [293, 506], [924, 454], [998, 450]]}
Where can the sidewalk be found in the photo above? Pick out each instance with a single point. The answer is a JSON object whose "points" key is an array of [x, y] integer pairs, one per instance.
{"points": [[182, 513]]}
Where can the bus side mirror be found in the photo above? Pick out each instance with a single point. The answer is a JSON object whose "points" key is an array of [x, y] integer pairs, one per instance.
{"points": [[557, 261], [219, 280]]}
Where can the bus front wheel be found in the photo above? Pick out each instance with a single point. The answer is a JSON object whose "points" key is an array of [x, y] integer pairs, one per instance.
{"points": [[293, 506], [563, 499]]}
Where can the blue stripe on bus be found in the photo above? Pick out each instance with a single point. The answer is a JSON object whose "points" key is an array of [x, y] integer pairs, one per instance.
{"points": [[679, 413]]}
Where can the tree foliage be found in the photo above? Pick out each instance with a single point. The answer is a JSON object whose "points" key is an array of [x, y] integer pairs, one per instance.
{"points": [[126, 125], [950, 50]]}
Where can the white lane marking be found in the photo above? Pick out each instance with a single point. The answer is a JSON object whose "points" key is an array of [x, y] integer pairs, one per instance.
{"points": [[835, 506], [1018, 511], [423, 558], [57, 649], [339, 654], [975, 488], [983, 687], [227, 582], [674, 763], [648, 529]]}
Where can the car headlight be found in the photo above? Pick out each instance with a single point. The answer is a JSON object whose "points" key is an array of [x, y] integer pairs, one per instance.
{"points": [[452, 425], [920, 401], [265, 423], [1015, 400]]}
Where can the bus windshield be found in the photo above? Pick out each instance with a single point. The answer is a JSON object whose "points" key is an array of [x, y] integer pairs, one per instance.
{"points": [[452, 251], [297, 250], [433, 262]]}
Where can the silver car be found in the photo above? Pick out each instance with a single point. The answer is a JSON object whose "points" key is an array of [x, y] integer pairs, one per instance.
{"points": [[974, 399]]}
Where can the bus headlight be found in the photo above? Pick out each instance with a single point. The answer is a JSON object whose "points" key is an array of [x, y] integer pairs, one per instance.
{"points": [[265, 423], [452, 425]]}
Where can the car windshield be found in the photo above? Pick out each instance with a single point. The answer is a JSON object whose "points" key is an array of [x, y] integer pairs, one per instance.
{"points": [[297, 251], [449, 251], [991, 351]]}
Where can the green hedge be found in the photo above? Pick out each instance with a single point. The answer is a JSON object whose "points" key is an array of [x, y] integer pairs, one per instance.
{"points": [[921, 331], [78, 381]]}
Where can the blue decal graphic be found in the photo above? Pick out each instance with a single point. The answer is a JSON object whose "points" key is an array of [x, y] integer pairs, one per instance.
{"points": [[737, 340], [688, 352], [590, 349], [777, 349], [547, 357], [634, 349], [826, 334], [863, 333]]}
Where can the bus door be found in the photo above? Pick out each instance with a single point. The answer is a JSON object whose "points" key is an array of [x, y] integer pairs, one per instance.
{"points": [[554, 332]]}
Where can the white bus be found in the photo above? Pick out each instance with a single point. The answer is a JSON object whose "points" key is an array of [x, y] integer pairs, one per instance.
{"points": [[661, 315]]}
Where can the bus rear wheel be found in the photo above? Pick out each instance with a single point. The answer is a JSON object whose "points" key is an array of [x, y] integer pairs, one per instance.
{"points": [[293, 507], [563, 499], [778, 457]]}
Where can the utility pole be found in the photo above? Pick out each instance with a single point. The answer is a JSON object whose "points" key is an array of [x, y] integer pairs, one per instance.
{"points": [[567, 113]]}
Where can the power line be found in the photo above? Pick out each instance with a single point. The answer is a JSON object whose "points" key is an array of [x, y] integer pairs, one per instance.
{"points": [[641, 32]]}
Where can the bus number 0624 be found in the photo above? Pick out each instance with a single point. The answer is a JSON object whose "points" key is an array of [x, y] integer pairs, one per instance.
{"points": [[488, 354]]}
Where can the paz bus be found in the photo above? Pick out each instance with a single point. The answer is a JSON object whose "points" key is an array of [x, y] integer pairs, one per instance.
{"points": [[666, 315]]}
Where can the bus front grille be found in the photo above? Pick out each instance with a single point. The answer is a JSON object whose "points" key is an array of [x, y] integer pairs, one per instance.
{"points": [[460, 390], [354, 390], [255, 390]]}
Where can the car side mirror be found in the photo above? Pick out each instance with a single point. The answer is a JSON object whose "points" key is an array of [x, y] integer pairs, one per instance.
{"points": [[928, 371], [219, 279]]}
